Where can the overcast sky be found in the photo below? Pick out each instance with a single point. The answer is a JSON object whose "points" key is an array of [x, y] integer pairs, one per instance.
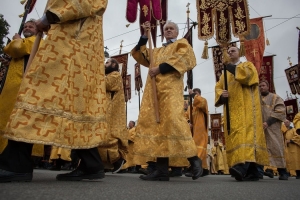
{"points": [[283, 39]]}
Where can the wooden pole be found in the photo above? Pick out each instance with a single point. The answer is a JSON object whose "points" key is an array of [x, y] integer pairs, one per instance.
{"points": [[35, 47], [190, 85], [153, 78]]}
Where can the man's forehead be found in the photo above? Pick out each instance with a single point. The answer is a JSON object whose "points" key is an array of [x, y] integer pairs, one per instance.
{"points": [[169, 25]]}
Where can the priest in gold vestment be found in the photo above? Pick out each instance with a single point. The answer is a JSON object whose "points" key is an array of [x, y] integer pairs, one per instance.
{"points": [[19, 50], [200, 125], [114, 149], [292, 145], [273, 110], [245, 143], [62, 99], [171, 138]]}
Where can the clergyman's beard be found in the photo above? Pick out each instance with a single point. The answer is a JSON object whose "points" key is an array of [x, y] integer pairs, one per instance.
{"points": [[27, 34], [110, 69]]}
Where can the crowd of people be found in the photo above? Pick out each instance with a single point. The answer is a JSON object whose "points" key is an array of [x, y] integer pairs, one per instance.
{"points": [[71, 100]]}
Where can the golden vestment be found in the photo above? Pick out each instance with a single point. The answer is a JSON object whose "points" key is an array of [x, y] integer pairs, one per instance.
{"points": [[62, 98], [172, 136], [116, 145], [200, 127], [129, 155], [293, 148], [17, 49], [246, 141], [60, 153], [273, 106]]}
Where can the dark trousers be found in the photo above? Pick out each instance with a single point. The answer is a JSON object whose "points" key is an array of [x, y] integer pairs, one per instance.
{"points": [[16, 157]]}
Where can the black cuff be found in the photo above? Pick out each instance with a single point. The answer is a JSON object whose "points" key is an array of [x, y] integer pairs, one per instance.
{"points": [[231, 68], [221, 100], [142, 42], [52, 18], [271, 120], [165, 68]]}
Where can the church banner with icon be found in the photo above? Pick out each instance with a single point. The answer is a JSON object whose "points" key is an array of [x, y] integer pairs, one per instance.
{"points": [[267, 72], [292, 75], [215, 126], [291, 106]]}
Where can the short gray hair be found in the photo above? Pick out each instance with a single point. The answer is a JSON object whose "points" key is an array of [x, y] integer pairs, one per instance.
{"points": [[170, 22]]}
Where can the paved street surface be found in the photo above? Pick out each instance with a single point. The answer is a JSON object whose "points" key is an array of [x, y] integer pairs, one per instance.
{"points": [[129, 186]]}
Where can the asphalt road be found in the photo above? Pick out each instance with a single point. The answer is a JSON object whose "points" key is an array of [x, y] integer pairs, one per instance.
{"points": [[129, 186]]}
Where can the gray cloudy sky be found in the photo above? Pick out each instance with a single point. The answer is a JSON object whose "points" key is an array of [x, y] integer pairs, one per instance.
{"points": [[283, 38]]}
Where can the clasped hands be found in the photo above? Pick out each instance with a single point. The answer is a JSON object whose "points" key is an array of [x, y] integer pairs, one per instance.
{"points": [[154, 71]]}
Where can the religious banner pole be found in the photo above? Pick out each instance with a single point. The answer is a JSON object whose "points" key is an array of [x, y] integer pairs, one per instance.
{"points": [[36, 45], [151, 11], [153, 78], [226, 102], [189, 74]]}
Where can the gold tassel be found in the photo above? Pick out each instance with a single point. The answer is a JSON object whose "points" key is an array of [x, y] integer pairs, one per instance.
{"points": [[205, 51], [226, 58], [21, 15], [242, 47], [267, 42], [23, 1]]}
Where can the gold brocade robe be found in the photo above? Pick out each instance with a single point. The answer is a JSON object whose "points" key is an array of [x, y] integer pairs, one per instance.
{"points": [[62, 98], [273, 106], [172, 136], [246, 141], [60, 153], [129, 157], [17, 49], [200, 126], [116, 145]]}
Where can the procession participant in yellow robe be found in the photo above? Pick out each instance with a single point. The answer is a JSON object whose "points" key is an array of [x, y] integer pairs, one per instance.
{"points": [[292, 141], [113, 151], [226, 168], [171, 138], [273, 110], [19, 49], [200, 125], [219, 160], [62, 100], [130, 165], [245, 143]]}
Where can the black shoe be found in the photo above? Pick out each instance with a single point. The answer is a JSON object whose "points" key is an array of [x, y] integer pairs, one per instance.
{"points": [[55, 168], [283, 177], [78, 175], [206, 172], [196, 167], [251, 177], [175, 173], [67, 166], [146, 171], [6, 176], [236, 174], [118, 165], [155, 176], [269, 174], [297, 177], [188, 174]]}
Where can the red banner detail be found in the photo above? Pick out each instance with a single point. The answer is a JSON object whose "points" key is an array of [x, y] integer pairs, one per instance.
{"points": [[150, 10], [255, 43], [266, 72], [127, 88], [137, 77], [218, 60]]}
